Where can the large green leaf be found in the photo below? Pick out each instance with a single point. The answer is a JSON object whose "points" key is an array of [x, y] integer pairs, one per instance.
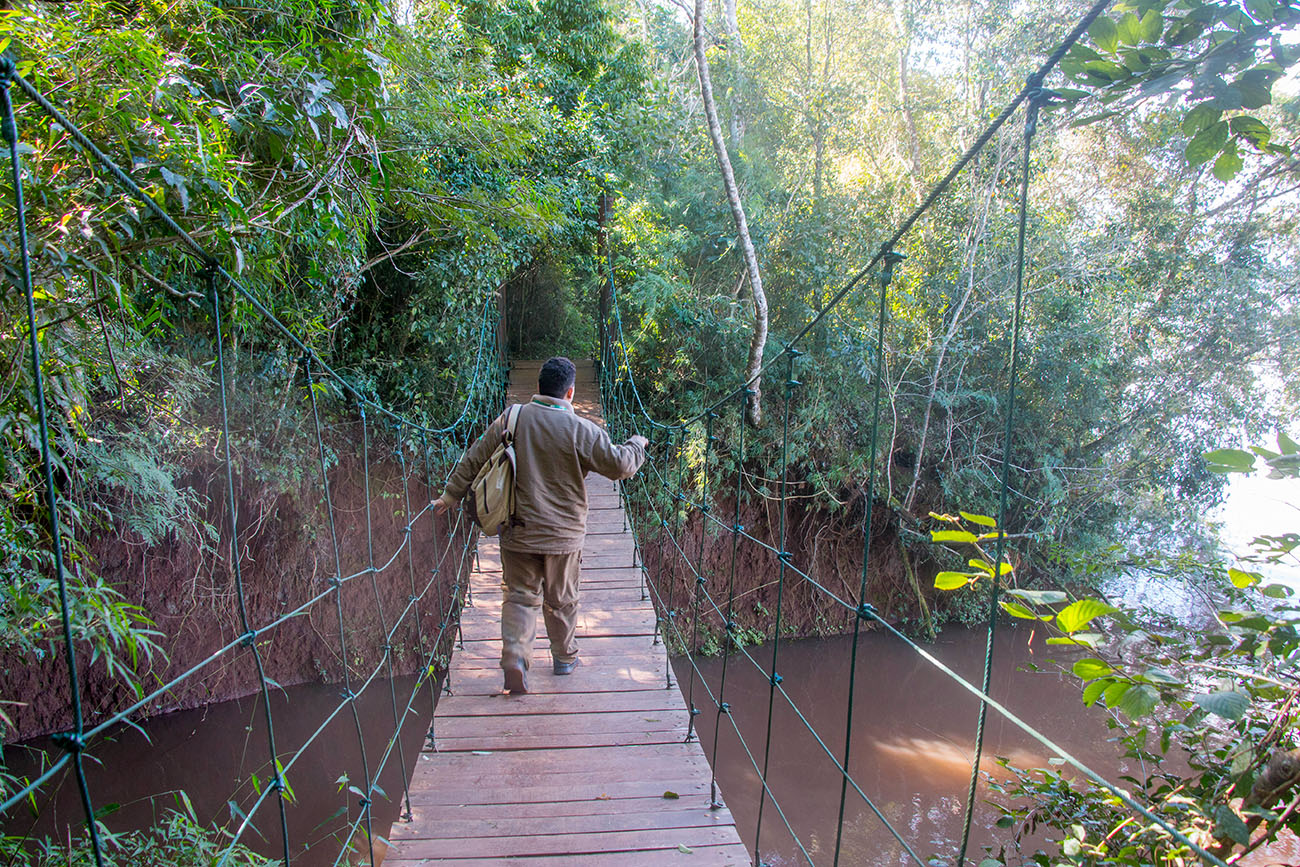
{"points": [[1229, 461], [1252, 129], [1228, 164], [951, 580], [1104, 34], [1129, 30], [982, 520], [1079, 614], [1228, 824], [1206, 144], [1090, 667], [1093, 691], [1138, 701], [1228, 704], [952, 536], [1200, 117], [1242, 579], [1015, 609], [1039, 597]]}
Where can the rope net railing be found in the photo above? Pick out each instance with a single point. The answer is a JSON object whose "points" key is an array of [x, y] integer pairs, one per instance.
{"points": [[662, 498], [422, 452]]}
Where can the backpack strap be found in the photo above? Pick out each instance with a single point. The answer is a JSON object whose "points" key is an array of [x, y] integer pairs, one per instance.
{"points": [[512, 421]]}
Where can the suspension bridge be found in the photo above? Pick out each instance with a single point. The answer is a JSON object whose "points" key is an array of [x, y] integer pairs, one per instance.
{"points": [[585, 769]]}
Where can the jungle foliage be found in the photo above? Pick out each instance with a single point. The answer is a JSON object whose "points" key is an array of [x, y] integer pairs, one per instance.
{"points": [[371, 176]]}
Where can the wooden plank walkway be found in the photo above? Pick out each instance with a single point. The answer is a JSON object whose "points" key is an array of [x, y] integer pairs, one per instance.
{"points": [[574, 772]]}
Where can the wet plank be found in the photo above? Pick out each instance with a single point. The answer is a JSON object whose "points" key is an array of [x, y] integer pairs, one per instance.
{"points": [[574, 773]]}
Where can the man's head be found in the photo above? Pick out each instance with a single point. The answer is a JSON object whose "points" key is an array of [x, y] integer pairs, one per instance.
{"points": [[556, 377]]}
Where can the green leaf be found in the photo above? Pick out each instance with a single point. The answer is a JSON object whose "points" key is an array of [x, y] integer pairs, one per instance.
{"points": [[1015, 609], [1129, 29], [1153, 23], [1074, 617], [1159, 675], [951, 580], [1242, 579], [1229, 460], [1286, 444], [671, 795], [1139, 701], [1093, 691], [1200, 117], [1206, 144], [1104, 34], [1227, 165], [1084, 639], [1115, 692], [952, 536], [1256, 86], [1228, 824], [1252, 129], [1039, 597], [982, 520], [1090, 667], [1276, 591], [1228, 704]]}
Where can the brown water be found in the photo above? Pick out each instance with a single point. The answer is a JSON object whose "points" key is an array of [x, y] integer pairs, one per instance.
{"points": [[212, 755], [913, 739]]}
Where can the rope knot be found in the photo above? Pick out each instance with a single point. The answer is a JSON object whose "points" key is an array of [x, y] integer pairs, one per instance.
{"points": [[783, 556], [732, 626], [334, 581], [738, 528], [866, 611], [69, 741], [364, 802], [701, 580], [776, 678], [248, 639]]}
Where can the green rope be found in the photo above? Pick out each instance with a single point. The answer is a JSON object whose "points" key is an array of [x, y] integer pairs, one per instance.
{"points": [[250, 638], [886, 275], [73, 742]]}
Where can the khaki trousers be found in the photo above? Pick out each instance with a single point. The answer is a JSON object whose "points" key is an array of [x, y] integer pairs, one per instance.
{"points": [[531, 581]]}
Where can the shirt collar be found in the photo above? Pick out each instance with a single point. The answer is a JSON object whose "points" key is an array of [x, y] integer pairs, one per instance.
{"points": [[552, 402]]}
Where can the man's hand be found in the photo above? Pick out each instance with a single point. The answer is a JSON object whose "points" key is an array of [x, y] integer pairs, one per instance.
{"points": [[639, 440], [442, 504]]}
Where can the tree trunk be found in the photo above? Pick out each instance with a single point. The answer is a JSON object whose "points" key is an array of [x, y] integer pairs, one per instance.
{"points": [[754, 365]]}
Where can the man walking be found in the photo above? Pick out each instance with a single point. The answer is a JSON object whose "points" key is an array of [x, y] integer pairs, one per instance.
{"points": [[542, 548]]}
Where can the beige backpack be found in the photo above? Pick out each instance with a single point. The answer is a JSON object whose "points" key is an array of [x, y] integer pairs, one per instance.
{"points": [[490, 501]]}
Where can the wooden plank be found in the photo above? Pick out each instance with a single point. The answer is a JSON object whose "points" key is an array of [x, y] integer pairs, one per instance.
{"points": [[533, 793], [567, 844], [733, 855], [563, 808], [574, 772], [574, 723], [514, 826]]}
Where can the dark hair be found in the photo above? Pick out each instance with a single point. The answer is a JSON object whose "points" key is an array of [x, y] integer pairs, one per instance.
{"points": [[556, 375]]}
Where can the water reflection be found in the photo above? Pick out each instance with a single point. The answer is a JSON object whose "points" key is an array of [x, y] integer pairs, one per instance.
{"points": [[913, 738], [213, 755]]}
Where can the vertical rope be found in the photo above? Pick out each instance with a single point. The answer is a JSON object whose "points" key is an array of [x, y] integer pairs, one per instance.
{"points": [[387, 647], [72, 742], [784, 556], [414, 600], [728, 624], [700, 581], [250, 638], [886, 275], [1037, 96], [337, 582]]}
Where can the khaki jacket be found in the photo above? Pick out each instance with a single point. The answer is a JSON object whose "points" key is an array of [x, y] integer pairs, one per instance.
{"points": [[554, 451]]}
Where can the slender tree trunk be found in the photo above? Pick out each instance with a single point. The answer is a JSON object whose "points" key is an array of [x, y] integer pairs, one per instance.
{"points": [[754, 365], [904, 99]]}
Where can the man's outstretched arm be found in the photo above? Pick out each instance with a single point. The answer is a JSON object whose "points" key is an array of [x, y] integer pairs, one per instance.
{"points": [[616, 461]]}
